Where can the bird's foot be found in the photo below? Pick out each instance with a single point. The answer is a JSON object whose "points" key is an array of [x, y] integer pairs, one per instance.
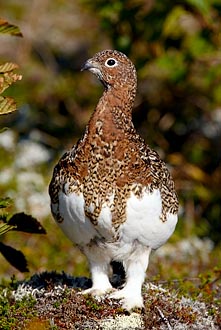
{"points": [[128, 300], [97, 291]]}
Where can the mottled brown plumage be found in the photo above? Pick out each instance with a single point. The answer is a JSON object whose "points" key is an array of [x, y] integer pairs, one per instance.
{"points": [[99, 185]]}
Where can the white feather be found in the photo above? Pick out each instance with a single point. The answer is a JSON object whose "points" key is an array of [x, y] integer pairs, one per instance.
{"points": [[76, 226], [143, 223]]}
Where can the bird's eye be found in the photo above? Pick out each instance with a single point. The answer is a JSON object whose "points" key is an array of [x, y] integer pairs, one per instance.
{"points": [[111, 62]]}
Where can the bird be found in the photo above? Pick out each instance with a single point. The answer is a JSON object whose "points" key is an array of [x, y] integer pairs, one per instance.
{"points": [[111, 194]]}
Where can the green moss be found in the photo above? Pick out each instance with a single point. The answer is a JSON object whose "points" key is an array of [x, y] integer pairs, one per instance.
{"points": [[15, 314], [92, 304]]}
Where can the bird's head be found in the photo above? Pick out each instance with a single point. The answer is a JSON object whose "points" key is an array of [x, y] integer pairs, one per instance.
{"points": [[113, 69]]}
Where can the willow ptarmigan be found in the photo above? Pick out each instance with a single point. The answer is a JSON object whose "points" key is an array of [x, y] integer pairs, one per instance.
{"points": [[111, 194]]}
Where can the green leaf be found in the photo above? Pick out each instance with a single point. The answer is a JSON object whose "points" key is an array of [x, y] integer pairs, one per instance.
{"points": [[172, 27], [5, 202], [171, 66], [203, 6], [7, 105], [199, 46], [7, 67], [3, 129], [26, 223], [8, 77], [6, 27], [14, 257], [4, 228]]}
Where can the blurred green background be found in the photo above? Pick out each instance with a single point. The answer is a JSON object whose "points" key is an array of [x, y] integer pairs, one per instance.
{"points": [[176, 47]]}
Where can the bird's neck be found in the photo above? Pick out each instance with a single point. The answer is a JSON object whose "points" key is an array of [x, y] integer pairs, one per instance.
{"points": [[114, 111]]}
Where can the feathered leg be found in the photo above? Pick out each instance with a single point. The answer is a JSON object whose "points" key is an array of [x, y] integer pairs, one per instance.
{"points": [[99, 268], [135, 268]]}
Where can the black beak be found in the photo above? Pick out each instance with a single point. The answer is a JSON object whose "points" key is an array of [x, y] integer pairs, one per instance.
{"points": [[94, 68], [87, 65]]}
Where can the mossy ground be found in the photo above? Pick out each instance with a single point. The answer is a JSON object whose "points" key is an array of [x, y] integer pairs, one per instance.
{"points": [[14, 314], [52, 301]]}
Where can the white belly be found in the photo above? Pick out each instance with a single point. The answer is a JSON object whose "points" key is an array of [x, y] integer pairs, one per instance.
{"points": [[143, 223]]}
